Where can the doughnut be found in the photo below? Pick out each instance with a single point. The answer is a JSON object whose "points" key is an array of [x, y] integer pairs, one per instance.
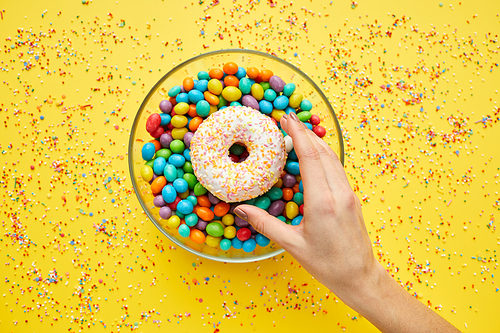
{"points": [[235, 182]]}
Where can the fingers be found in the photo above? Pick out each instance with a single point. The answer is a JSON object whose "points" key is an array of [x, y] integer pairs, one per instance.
{"points": [[311, 169], [333, 156], [266, 224]]}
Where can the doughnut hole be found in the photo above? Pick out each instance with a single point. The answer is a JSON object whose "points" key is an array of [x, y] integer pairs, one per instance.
{"points": [[238, 152]]}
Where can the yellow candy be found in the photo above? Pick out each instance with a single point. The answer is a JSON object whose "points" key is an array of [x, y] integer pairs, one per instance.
{"points": [[228, 219], [213, 108], [257, 91], [215, 86], [279, 183], [173, 222], [295, 100], [178, 133], [231, 94], [277, 114], [298, 178], [230, 232], [181, 108], [146, 173], [212, 241], [179, 121], [184, 195], [292, 210]]}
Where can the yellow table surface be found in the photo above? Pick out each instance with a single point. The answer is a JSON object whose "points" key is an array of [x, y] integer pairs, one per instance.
{"points": [[414, 84]]}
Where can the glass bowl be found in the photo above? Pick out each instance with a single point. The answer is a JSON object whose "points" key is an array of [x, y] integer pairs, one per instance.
{"points": [[190, 68]]}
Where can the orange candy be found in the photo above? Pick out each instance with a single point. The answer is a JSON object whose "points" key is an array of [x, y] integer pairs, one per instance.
{"points": [[194, 123], [266, 74], [287, 193], [295, 188], [230, 68], [221, 209], [231, 80], [158, 184], [188, 83], [252, 72], [172, 100], [211, 98], [203, 201], [192, 110], [216, 73], [205, 214], [157, 144], [197, 236]]}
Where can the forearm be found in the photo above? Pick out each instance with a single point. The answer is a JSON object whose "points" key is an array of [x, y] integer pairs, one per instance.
{"points": [[392, 309]]}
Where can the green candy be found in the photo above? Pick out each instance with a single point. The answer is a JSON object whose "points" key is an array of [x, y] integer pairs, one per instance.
{"points": [[177, 146], [304, 116], [289, 89], [283, 219], [298, 198], [180, 173], [215, 229], [190, 179], [165, 153], [265, 85], [191, 219], [251, 201], [188, 167], [170, 172], [263, 202], [193, 200], [150, 163], [245, 86], [199, 189], [275, 193], [222, 102]]}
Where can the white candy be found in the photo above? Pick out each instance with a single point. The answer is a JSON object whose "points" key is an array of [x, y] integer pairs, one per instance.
{"points": [[288, 143]]}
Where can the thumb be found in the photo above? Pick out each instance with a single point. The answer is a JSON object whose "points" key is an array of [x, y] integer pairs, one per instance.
{"points": [[266, 224]]}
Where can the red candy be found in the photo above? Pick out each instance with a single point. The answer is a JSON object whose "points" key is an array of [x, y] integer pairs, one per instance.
{"points": [[301, 209], [314, 120], [153, 122], [319, 131], [234, 158], [173, 205], [158, 132], [243, 234]]}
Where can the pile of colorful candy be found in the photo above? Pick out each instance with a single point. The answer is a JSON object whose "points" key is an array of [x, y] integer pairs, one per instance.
{"points": [[183, 201]]}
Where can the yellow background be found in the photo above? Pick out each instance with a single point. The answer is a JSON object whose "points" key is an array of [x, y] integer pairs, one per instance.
{"points": [[428, 179]]}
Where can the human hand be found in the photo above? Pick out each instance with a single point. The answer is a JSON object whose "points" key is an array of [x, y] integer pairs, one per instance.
{"points": [[332, 242]]}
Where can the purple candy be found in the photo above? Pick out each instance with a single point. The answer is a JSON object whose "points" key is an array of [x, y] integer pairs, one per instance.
{"points": [[165, 106], [252, 229], [183, 90], [165, 140], [250, 101], [205, 233], [276, 83], [165, 212], [158, 201], [253, 236], [240, 222], [277, 208], [201, 225], [232, 207], [187, 139], [213, 199], [223, 85], [289, 180], [154, 177], [191, 192]]}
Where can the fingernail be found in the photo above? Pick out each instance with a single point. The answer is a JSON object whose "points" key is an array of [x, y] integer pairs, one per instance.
{"points": [[284, 117], [241, 214], [294, 117]]}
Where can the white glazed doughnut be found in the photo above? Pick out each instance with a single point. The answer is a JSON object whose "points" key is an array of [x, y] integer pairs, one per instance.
{"points": [[235, 182]]}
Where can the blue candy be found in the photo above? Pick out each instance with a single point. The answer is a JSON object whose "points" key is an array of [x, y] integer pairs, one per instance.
{"points": [[191, 219], [180, 172], [289, 110], [174, 91], [165, 119], [262, 240], [180, 185], [288, 89], [148, 151], [235, 104], [249, 245], [306, 105], [184, 230], [187, 154], [270, 95], [185, 207], [245, 86], [225, 244], [309, 126], [169, 194], [291, 166], [265, 107], [201, 85], [158, 165], [202, 108], [177, 160], [202, 75], [170, 172], [240, 73], [301, 187], [182, 97], [237, 244], [281, 102], [193, 199], [292, 155], [297, 220], [195, 96]]}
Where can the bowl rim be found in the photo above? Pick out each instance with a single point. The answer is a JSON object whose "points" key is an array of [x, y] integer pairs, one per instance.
{"points": [[148, 97]]}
